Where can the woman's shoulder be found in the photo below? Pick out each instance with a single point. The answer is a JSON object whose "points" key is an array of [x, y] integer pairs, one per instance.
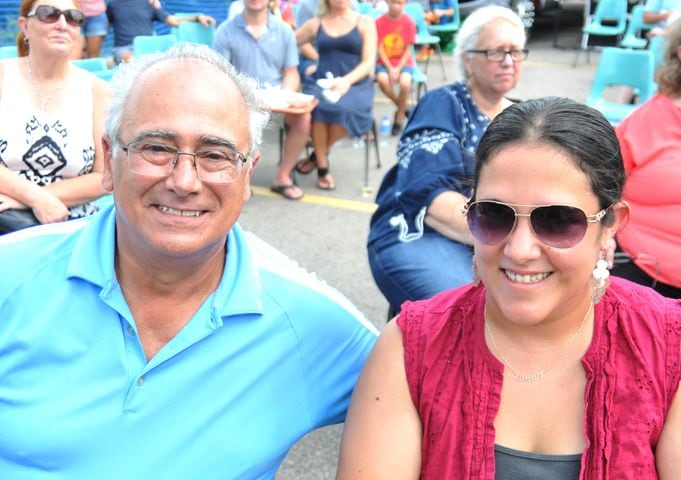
{"points": [[640, 306], [455, 306], [443, 108]]}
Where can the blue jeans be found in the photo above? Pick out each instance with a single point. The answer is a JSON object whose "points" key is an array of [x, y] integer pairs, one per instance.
{"points": [[420, 269]]}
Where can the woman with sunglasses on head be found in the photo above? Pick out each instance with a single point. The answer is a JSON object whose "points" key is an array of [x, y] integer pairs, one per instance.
{"points": [[650, 246], [413, 232], [51, 119], [543, 367]]}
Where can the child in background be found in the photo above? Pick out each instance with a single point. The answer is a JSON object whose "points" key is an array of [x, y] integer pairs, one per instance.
{"points": [[396, 35]]}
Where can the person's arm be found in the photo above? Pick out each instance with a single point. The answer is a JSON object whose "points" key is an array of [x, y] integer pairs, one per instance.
{"points": [[404, 58], [307, 32], [365, 67], [291, 79], [86, 188], [652, 18], [382, 433], [204, 20], [668, 451], [445, 215]]}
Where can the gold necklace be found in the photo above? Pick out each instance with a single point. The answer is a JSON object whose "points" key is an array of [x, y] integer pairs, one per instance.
{"points": [[43, 99], [540, 374]]}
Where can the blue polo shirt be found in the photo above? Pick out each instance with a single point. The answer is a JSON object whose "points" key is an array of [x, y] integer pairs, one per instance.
{"points": [[264, 58], [271, 355]]}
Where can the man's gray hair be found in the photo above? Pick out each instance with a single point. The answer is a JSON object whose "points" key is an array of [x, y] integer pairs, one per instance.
{"points": [[128, 73], [469, 34]]}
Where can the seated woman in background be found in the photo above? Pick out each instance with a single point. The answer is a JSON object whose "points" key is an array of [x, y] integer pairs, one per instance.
{"points": [[51, 118], [346, 44], [650, 139], [418, 246], [539, 369]]}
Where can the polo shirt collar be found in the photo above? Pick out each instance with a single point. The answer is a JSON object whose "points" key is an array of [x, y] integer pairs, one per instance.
{"points": [[239, 292], [241, 21]]}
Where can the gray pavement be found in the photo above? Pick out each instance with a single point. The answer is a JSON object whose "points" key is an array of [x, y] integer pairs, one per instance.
{"points": [[326, 232]]}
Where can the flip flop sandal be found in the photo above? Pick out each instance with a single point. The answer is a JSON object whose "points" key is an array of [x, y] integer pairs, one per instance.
{"points": [[323, 183], [286, 191], [307, 165]]}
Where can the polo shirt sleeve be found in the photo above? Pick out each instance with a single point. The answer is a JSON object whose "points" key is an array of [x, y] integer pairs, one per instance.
{"points": [[291, 48], [334, 344]]}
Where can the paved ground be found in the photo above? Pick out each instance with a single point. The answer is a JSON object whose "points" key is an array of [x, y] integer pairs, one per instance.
{"points": [[326, 231]]}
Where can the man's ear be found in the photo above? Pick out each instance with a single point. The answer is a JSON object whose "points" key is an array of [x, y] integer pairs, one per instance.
{"points": [[107, 173]]}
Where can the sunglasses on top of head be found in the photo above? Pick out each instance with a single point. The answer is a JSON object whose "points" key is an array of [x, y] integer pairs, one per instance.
{"points": [[50, 14], [559, 226]]}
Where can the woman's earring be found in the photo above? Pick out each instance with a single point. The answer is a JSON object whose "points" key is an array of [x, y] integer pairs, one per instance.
{"points": [[600, 276], [474, 268]]}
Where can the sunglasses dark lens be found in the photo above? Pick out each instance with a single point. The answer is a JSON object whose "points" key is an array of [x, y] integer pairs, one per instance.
{"points": [[490, 222], [49, 14], [558, 225]]}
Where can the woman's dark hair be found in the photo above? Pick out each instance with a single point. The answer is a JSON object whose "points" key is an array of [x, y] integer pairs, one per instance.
{"points": [[582, 132]]}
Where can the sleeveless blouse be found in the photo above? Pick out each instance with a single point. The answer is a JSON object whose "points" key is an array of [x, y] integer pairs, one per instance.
{"points": [[47, 147], [632, 367]]}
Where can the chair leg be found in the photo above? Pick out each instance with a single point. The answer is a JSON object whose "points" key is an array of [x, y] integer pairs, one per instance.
{"points": [[282, 135], [374, 131], [366, 158], [442, 63]]}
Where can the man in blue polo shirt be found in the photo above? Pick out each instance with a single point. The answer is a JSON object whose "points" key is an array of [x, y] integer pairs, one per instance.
{"points": [[263, 46], [158, 340]]}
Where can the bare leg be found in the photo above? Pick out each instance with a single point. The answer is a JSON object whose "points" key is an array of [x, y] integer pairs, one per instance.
{"points": [[383, 81], [324, 135], [405, 86], [296, 139], [93, 47]]}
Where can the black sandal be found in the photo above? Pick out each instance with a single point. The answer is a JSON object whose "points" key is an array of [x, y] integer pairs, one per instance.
{"points": [[306, 165], [324, 183]]}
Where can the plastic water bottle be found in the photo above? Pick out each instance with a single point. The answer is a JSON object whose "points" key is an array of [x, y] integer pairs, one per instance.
{"points": [[384, 131]]}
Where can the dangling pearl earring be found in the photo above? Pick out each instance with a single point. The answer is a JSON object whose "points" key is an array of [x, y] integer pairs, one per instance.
{"points": [[600, 275]]}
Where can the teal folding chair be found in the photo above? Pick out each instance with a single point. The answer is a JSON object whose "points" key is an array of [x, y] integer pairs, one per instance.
{"points": [[419, 81], [97, 66], [449, 27], [600, 24], [622, 67], [423, 37], [365, 8], [194, 32], [633, 37], [143, 44], [9, 51]]}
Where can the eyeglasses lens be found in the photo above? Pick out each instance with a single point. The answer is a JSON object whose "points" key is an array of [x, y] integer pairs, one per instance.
{"points": [[558, 226], [50, 14], [490, 222]]}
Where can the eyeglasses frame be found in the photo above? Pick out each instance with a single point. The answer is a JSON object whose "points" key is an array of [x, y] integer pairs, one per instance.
{"points": [[489, 51], [242, 159], [34, 13], [595, 218]]}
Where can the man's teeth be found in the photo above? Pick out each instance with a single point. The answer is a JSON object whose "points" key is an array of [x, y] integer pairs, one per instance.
{"points": [[184, 213], [537, 277]]}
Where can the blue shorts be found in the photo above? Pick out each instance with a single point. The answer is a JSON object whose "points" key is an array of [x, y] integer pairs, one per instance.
{"points": [[383, 68], [95, 26]]}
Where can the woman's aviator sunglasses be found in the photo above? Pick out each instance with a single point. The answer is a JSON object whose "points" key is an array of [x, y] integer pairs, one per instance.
{"points": [[50, 14], [558, 226]]}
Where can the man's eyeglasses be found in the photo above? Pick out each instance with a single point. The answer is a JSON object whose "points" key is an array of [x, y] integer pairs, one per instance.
{"points": [[50, 14], [499, 54], [558, 226], [215, 164]]}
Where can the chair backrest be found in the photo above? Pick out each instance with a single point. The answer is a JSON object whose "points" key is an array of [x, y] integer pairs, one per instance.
{"points": [[9, 51], [152, 43], [91, 64], [611, 10], [415, 11], [619, 66], [365, 8], [194, 32], [636, 24]]}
